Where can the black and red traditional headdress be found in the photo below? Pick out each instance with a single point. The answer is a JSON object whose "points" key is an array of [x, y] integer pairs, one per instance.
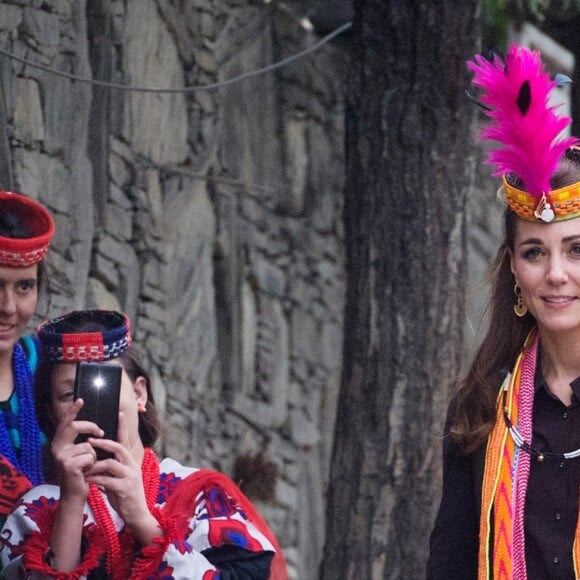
{"points": [[63, 339]]}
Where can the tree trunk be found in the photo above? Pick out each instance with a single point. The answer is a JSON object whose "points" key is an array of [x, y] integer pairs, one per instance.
{"points": [[409, 137]]}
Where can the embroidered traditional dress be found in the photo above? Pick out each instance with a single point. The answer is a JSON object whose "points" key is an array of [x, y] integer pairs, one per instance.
{"points": [[200, 511]]}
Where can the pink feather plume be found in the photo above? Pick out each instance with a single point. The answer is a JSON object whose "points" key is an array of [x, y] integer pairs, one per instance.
{"points": [[516, 94]]}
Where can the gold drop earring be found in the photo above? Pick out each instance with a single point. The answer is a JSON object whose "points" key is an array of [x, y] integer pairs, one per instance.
{"points": [[519, 307]]}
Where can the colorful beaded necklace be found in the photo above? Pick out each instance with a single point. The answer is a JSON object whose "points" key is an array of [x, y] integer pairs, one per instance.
{"points": [[30, 460]]}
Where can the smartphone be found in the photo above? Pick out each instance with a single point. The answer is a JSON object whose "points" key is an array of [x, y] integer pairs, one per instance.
{"points": [[99, 386]]}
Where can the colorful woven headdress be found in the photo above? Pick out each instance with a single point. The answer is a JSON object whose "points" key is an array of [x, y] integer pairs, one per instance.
{"points": [[515, 96], [37, 223], [73, 338]]}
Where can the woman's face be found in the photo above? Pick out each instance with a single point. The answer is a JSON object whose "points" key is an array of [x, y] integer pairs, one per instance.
{"points": [[18, 299], [546, 264], [133, 395]]}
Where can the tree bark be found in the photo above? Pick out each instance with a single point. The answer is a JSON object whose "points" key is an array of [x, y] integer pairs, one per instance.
{"points": [[409, 167]]}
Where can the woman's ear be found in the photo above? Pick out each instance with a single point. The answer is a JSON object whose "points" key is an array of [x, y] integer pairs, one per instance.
{"points": [[140, 390]]}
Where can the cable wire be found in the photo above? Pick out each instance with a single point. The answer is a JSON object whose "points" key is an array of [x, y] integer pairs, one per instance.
{"points": [[269, 68]]}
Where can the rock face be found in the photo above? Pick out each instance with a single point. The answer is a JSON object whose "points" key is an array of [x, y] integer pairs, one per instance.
{"points": [[212, 217]]}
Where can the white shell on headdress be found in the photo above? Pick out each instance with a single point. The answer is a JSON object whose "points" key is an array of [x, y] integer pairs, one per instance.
{"points": [[544, 210]]}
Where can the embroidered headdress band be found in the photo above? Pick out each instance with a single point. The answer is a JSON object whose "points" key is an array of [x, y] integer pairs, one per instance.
{"points": [[564, 202], [528, 128], [25, 251], [61, 340]]}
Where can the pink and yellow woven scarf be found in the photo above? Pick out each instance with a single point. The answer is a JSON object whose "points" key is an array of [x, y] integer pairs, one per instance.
{"points": [[505, 479]]}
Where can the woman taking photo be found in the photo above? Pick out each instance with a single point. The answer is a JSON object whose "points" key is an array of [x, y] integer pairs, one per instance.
{"points": [[512, 447], [26, 229], [128, 515]]}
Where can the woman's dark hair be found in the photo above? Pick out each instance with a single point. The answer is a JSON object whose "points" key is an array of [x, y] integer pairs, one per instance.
{"points": [[473, 409], [149, 424]]}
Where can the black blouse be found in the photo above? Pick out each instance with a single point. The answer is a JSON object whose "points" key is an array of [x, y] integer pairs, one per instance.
{"points": [[551, 509]]}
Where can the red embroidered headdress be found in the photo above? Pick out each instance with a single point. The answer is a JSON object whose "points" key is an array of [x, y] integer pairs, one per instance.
{"points": [[515, 97], [36, 220], [61, 344]]}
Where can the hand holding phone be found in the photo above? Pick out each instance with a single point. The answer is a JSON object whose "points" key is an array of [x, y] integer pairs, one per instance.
{"points": [[98, 384]]}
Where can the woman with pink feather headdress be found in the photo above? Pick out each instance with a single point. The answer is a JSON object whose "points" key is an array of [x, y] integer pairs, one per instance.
{"points": [[511, 471]]}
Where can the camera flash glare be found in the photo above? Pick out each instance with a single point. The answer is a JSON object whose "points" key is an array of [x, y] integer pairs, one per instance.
{"points": [[98, 382]]}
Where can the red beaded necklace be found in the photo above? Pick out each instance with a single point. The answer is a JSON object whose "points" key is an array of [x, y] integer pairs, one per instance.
{"points": [[150, 473]]}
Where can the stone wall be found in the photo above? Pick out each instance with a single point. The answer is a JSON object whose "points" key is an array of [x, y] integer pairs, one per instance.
{"points": [[212, 217]]}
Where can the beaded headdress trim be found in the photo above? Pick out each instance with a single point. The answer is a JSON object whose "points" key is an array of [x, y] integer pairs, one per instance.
{"points": [[62, 345], [560, 204], [23, 252]]}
